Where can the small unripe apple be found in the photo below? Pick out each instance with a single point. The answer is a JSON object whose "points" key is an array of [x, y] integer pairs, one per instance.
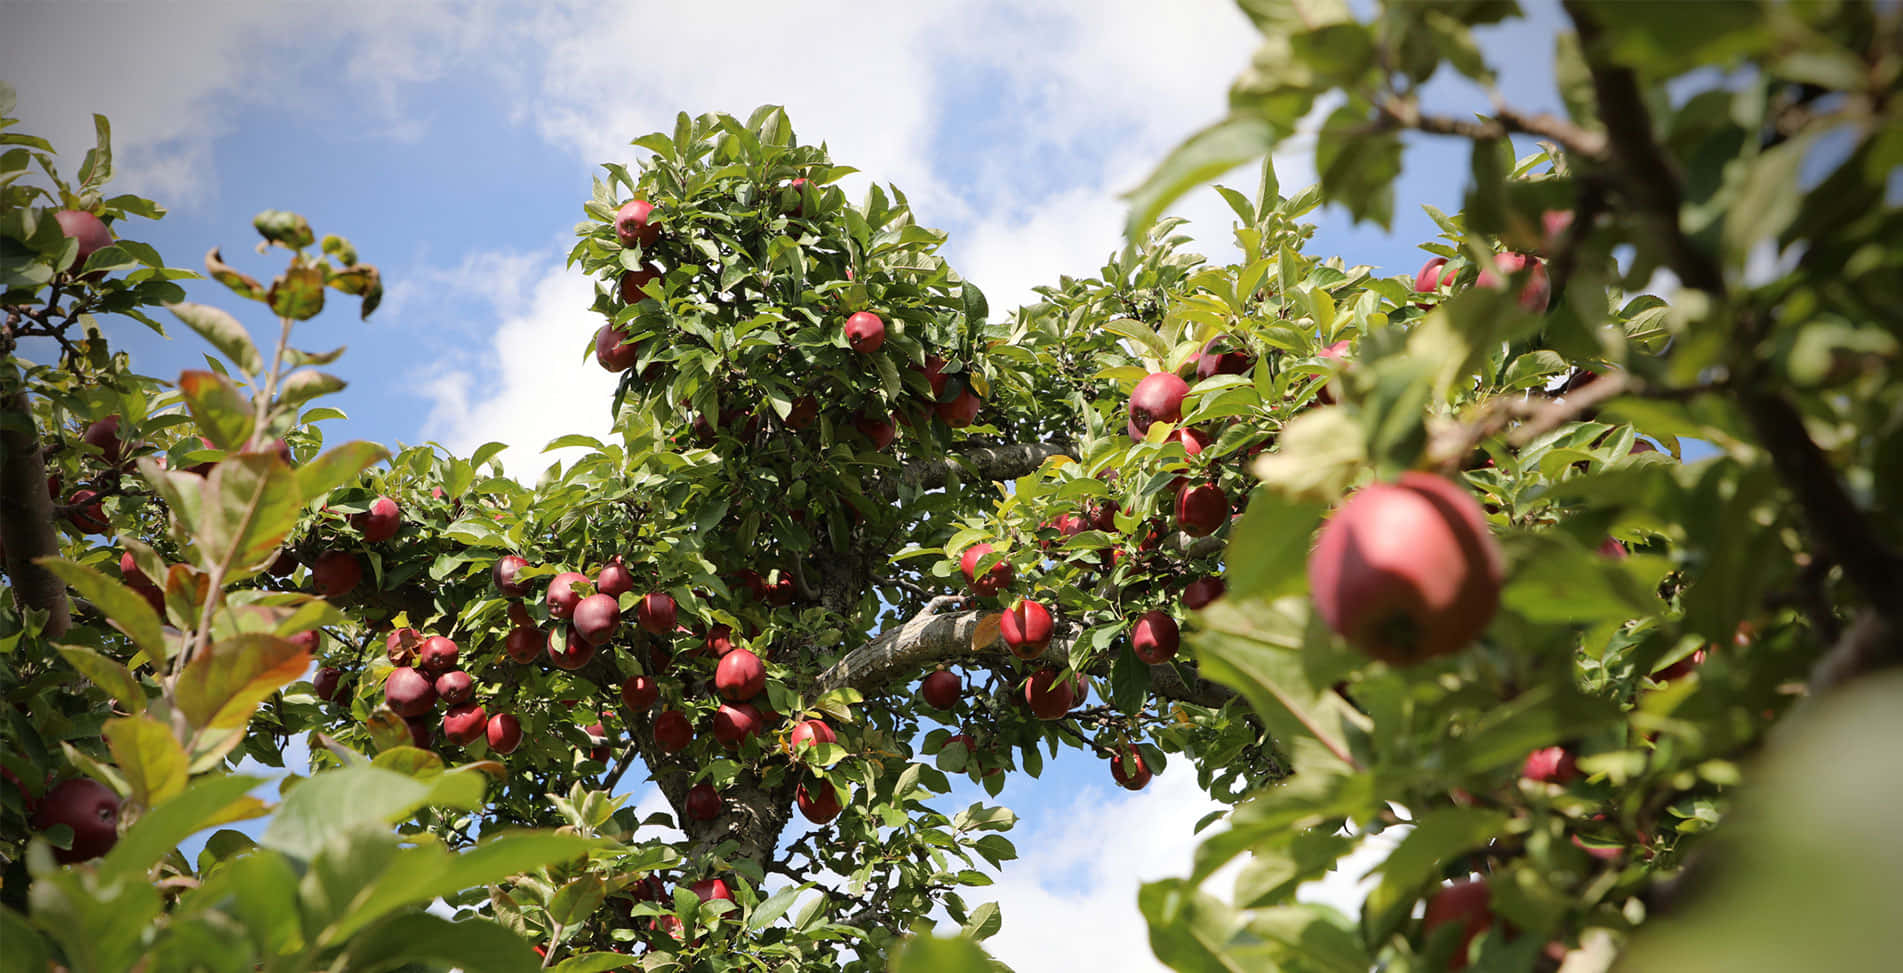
{"points": [[401, 646], [325, 683], [672, 732], [455, 687], [809, 732], [634, 224], [1048, 696], [437, 654], [335, 573], [1026, 629], [865, 332], [614, 578], [655, 613], [941, 689], [734, 722], [639, 692], [409, 692], [613, 352], [1201, 509], [1553, 765], [465, 724], [87, 514], [571, 651], [88, 807], [562, 596], [504, 573], [86, 228], [381, 521], [881, 430], [1157, 398], [702, 804], [1154, 638], [596, 618], [504, 733], [739, 676], [1407, 571], [995, 580], [1215, 360], [1128, 769], [524, 643], [820, 804], [632, 282], [1463, 905]]}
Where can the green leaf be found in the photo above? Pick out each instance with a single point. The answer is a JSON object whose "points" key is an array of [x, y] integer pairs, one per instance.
{"points": [[926, 953], [223, 684], [207, 802], [25, 946], [125, 610], [475, 946], [285, 229], [1438, 836], [151, 760], [1767, 198], [222, 412], [1190, 931], [427, 873], [767, 913], [302, 386], [336, 467], [96, 168], [107, 674], [244, 285], [252, 501], [336, 801], [1201, 158], [222, 330], [1258, 649], [592, 963], [1269, 546], [577, 900], [1358, 168]]}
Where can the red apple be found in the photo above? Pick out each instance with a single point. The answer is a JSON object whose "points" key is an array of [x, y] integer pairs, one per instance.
{"points": [[104, 434], [335, 573], [634, 224], [639, 692], [805, 409], [1200, 510], [504, 733], [1128, 769], [702, 804], [519, 616], [710, 889], [1157, 398], [1462, 905], [632, 282], [865, 332], [598, 738], [809, 732], [1538, 288], [409, 692], [614, 578], [1553, 765], [881, 430], [562, 596], [1214, 360], [1338, 350], [88, 514], [455, 687], [941, 689], [129, 570], [283, 566], [401, 645], [1407, 571], [573, 652], [381, 521], [672, 732], [504, 574], [739, 676], [655, 613], [465, 724], [524, 643], [1026, 629], [718, 641], [86, 228], [613, 352], [1612, 548], [1430, 277], [596, 618], [1048, 696], [1193, 441], [780, 593], [961, 410], [734, 722], [1155, 637], [819, 805], [995, 580], [437, 654], [1200, 592], [88, 807], [325, 683], [421, 729]]}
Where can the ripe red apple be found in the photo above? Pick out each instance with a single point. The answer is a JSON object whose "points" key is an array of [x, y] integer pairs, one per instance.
{"points": [[1538, 288], [820, 804], [598, 737], [1155, 637], [335, 573], [613, 352], [961, 410], [672, 732], [1430, 277], [1553, 765], [1026, 629], [325, 683], [718, 641], [634, 224], [639, 692], [104, 434], [614, 578], [401, 645], [409, 692], [437, 654], [1193, 441], [519, 616], [865, 332], [995, 580], [655, 613], [1612, 548], [129, 570], [86, 228], [941, 689], [1216, 360], [749, 582], [1201, 509], [780, 593], [740, 676], [1157, 398], [712, 888], [596, 618], [88, 807], [881, 430], [805, 409], [1407, 571], [632, 282], [283, 566], [422, 730], [1048, 696], [798, 187], [504, 732], [1200, 592], [88, 514], [381, 521], [504, 574], [1464, 906], [455, 687], [562, 596], [809, 732], [524, 643], [702, 804], [573, 653], [465, 724], [1337, 350], [1128, 769], [734, 722]]}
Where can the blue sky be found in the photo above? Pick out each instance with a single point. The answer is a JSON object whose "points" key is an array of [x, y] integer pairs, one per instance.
{"points": [[453, 143]]}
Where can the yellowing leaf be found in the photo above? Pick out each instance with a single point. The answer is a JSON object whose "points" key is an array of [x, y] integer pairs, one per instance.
{"points": [[225, 682]]}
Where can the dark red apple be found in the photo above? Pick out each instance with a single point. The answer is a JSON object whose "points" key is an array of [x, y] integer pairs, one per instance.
{"points": [[995, 580], [632, 282], [381, 521], [87, 514], [818, 805], [455, 687], [88, 807], [596, 618], [465, 724], [941, 689], [740, 676], [639, 692], [702, 804], [1026, 629], [672, 732], [504, 574], [749, 582], [325, 683], [865, 332], [805, 409], [634, 224], [1407, 571], [335, 573], [504, 732], [422, 730], [1157, 398], [1463, 905], [437, 654], [881, 430], [734, 722], [1553, 765], [1154, 638], [614, 578], [524, 643], [1128, 769], [1215, 360], [1201, 509], [1200, 592], [809, 732], [780, 593], [283, 566], [104, 434], [961, 410], [129, 570], [86, 228], [1048, 696], [718, 641], [401, 646], [409, 692], [562, 596], [613, 352], [656, 613], [572, 652]]}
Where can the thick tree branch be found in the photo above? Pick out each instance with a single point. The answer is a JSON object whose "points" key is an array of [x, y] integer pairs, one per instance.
{"points": [[26, 516], [1006, 461]]}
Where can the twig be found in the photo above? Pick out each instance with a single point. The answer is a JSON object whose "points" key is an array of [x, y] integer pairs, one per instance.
{"points": [[1506, 120]]}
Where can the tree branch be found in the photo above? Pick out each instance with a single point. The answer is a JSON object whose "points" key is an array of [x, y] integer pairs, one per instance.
{"points": [[26, 515], [1006, 461], [1506, 121]]}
